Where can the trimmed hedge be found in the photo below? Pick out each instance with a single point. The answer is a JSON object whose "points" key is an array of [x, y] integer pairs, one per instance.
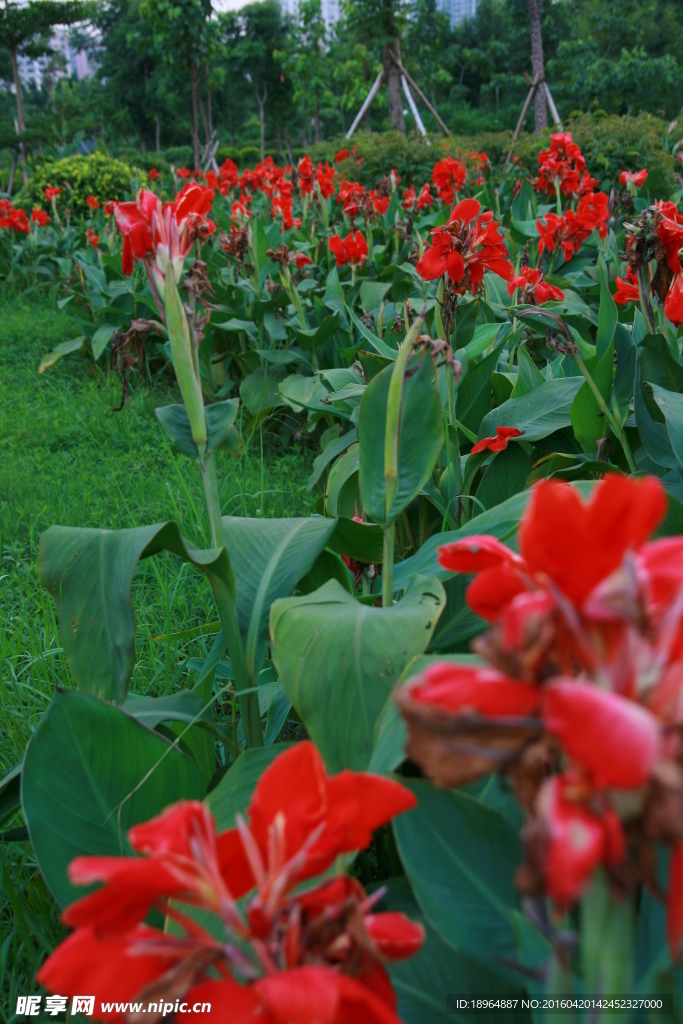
{"points": [[80, 176], [610, 144]]}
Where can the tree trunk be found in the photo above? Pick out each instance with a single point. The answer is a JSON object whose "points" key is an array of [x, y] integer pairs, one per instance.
{"points": [[157, 131], [261, 100], [195, 115], [540, 112], [204, 120], [21, 124], [209, 111], [393, 77]]}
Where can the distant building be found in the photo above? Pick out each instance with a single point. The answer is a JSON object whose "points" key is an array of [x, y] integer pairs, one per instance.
{"points": [[331, 10], [457, 10], [76, 64]]}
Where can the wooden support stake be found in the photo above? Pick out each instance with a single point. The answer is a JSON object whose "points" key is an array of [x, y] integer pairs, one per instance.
{"points": [[422, 96], [366, 105], [553, 109], [414, 110], [525, 108]]}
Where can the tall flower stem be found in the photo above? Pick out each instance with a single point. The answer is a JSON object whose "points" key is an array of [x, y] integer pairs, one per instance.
{"points": [[388, 566], [645, 301], [618, 430]]}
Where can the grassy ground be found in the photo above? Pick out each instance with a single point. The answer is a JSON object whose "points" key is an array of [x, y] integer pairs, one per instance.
{"points": [[66, 458]]}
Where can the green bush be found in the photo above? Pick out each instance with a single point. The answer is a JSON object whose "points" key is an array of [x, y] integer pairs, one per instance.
{"points": [[180, 156], [80, 176], [250, 155], [611, 144]]}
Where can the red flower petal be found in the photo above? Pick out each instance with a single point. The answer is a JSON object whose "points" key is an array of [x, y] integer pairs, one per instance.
{"points": [[480, 551], [575, 843], [492, 590], [470, 688], [616, 740], [396, 936]]}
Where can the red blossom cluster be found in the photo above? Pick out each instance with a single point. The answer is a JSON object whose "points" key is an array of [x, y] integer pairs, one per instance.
{"points": [[582, 702], [449, 176], [39, 217], [423, 201], [13, 218], [670, 230], [166, 231], [353, 249], [92, 202], [534, 288], [635, 178], [481, 162], [92, 238], [287, 954], [51, 193], [562, 166], [465, 248], [573, 228], [498, 443]]}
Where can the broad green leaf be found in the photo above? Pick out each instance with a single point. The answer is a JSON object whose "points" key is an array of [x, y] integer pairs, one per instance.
{"points": [[315, 336], [460, 858], [587, 420], [429, 983], [484, 336], [88, 574], [655, 364], [607, 318], [220, 419], [458, 623], [101, 338], [391, 736], [301, 392], [372, 294], [379, 346], [329, 454], [235, 326], [260, 391], [344, 472], [671, 405], [279, 707], [529, 377], [64, 348], [362, 541], [339, 660], [539, 413], [268, 557], [505, 476], [233, 793], [82, 769], [328, 566], [421, 433], [474, 393], [183, 706]]}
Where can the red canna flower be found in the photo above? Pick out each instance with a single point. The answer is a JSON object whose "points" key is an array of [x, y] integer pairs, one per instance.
{"points": [[51, 193], [302, 260], [560, 166], [628, 289], [341, 155], [572, 229], [13, 218], [183, 172], [40, 217], [380, 202], [153, 174], [325, 177], [635, 178], [535, 290], [353, 249], [448, 176], [283, 205], [465, 248], [288, 957], [306, 172], [409, 197], [425, 198], [498, 443], [167, 232], [92, 202], [91, 237]]}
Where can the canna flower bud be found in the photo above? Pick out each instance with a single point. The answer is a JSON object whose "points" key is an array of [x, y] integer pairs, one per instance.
{"points": [[183, 361]]}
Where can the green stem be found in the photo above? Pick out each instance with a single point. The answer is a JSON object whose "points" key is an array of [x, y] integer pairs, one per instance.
{"points": [[248, 702], [616, 427], [388, 566], [645, 303]]}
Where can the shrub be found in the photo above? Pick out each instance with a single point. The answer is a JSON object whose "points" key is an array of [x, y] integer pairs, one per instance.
{"points": [[250, 155], [181, 156], [80, 176]]}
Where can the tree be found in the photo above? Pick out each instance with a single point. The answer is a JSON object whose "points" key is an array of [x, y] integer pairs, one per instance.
{"points": [[540, 108], [306, 59], [252, 36], [182, 37], [25, 31], [383, 22]]}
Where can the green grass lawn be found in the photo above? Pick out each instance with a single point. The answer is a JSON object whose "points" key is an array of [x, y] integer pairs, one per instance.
{"points": [[66, 458]]}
